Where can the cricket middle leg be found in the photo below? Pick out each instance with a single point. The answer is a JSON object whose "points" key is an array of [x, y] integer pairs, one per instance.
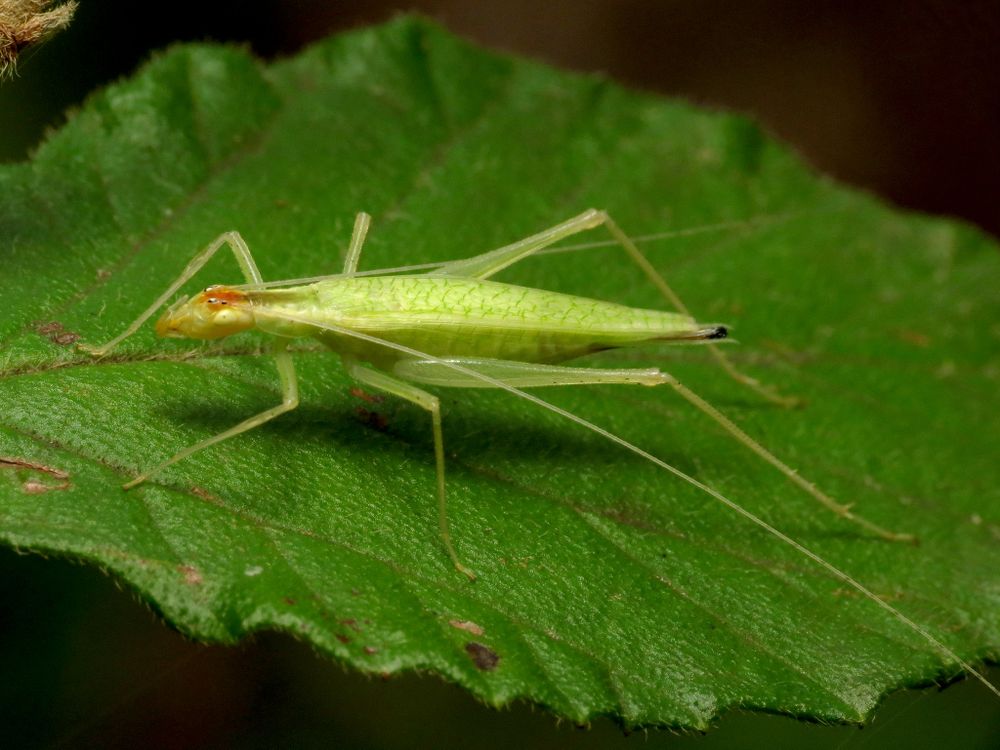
{"points": [[396, 387]]}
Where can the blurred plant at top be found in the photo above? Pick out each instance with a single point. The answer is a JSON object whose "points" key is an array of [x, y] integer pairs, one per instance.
{"points": [[27, 22]]}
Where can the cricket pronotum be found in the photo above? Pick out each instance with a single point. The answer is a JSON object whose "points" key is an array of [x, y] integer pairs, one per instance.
{"points": [[452, 327]]}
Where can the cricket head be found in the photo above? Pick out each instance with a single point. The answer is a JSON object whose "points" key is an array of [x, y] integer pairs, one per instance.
{"points": [[212, 314]]}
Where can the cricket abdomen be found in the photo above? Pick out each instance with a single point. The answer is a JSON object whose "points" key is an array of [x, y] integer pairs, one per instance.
{"points": [[457, 317]]}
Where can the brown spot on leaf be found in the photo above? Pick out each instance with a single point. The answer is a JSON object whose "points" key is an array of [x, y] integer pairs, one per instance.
{"points": [[365, 396], [914, 337], [352, 624], [372, 418], [55, 333], [35, 485], [206, 495], [289, 601], [485, 658], [192, 575], [342, 638], [370, 650], [467, 625]]}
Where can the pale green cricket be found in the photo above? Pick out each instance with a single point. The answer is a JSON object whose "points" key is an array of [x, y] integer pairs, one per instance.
{"points": [[453, 327]]}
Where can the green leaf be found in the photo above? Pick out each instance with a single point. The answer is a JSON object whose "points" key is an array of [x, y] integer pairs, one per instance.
{"points": [[606, 585]]}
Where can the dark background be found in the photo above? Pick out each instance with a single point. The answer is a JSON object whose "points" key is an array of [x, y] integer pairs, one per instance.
{"points": [[900, 98]]}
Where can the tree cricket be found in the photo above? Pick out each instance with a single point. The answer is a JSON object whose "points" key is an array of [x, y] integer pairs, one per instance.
{"points": [[451, 326]]}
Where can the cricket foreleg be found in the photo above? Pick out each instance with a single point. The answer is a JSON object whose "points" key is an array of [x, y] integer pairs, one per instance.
{"points": [[361, 223], [660, 283], [243, 257], [289, 400], [383, 382]]}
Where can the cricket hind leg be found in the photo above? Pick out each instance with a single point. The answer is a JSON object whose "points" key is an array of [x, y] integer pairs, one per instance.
{"points": [[518, 374], [765, 391], [243, 257], [361, 224], [396, 387], [529, 375], [289, 400], [842, 510], [485, 265]]}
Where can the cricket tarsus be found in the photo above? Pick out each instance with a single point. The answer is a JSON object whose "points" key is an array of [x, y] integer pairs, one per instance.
{"points": [[841, 510]]}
